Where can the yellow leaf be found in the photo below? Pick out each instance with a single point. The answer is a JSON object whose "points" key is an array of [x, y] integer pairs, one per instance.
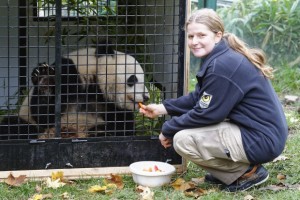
{"points": [[187, 186], [110, 188], [54, 184], [115, 179], [178, 182], [181, 185], [37, 197], [57, 175], [97, 188], [191, 194]]}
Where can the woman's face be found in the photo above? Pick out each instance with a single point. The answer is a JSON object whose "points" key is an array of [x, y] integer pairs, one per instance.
{"points": [[201, 40]]}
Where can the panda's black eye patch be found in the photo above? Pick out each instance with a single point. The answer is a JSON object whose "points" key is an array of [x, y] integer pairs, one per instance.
{"points": [[132, 80]]}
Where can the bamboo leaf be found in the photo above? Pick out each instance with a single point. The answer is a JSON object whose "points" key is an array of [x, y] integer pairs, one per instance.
{"points": [[277, 28], [294, 6], [266, 40]]}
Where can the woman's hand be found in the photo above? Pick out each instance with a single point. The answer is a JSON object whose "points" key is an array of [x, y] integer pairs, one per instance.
{"points": [[153, 110], [166, 142]]}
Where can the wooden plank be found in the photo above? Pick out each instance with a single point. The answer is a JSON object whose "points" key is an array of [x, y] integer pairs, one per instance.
{"points": [[71, 174], [187, 54]]}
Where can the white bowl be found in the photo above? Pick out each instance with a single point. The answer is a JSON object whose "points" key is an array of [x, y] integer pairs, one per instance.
{"points": [[154, 178]]}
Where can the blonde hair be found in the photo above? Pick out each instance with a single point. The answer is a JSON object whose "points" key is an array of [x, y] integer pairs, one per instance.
{"points": [[211, 19]]}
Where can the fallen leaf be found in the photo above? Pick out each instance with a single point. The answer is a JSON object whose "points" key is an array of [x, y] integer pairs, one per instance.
{"points": [[187, 186], [41, 196], [140, 188], [37, 197], [291, 98], [47, 196], [38, 189], [281, 177], [199, 180], [181, 185], [248, 197], [57, 175], [177, 183], [279, 186], [54, 184], [295, 186], [145, 193], [110, 188], [65, 195], [97, 188], [115, 179], [15, 181], [280, 158], [195, 193]]}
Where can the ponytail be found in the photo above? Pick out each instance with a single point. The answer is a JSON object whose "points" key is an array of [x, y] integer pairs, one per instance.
{"points": [[256, 56]]}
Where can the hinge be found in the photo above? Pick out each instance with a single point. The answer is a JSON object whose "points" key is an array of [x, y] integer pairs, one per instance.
{"points": [[37, 141], [78, 140]]}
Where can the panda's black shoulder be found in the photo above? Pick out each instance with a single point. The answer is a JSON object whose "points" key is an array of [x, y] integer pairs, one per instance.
{"points": [[68, 66], [104, 47]]}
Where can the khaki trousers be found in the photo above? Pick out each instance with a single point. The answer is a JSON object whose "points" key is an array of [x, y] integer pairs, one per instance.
{"points": [[218, 149]]}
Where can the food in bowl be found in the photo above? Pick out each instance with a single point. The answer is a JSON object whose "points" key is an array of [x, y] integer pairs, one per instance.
{"points": [[151, 173], [154, 169]]}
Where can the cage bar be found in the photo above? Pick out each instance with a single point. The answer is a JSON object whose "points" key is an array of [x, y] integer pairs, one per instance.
{"points": [[72, 75]]}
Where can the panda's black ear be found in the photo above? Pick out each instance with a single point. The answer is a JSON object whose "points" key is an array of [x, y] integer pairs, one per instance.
{"points": [[104, 48], [132, 80]]}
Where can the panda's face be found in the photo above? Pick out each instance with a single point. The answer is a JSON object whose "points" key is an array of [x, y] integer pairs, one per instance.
{"points": [[119, 76], [123, 80]]}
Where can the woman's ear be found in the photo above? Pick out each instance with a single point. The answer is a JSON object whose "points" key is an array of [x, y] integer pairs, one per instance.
{"points": [[218, 37]]}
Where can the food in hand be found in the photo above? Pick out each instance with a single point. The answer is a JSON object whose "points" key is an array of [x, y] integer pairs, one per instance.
{"points": [[140, 104]]}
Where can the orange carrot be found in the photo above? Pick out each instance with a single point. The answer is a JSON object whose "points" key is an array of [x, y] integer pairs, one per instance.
{"points": [[140, 104]]}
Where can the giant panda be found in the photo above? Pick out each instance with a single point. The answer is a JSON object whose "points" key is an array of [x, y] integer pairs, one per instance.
{"points": [[100, 90]]}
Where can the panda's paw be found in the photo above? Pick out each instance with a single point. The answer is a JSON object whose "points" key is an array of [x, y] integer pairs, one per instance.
{"points": [[43, 70], [70, 132]]}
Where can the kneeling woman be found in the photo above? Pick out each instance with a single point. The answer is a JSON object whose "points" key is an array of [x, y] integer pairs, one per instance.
{"points": [[232, 122]]}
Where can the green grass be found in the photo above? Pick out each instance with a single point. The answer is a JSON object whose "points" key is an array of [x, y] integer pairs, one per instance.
{"points": [[286, 82], [79, 189]]}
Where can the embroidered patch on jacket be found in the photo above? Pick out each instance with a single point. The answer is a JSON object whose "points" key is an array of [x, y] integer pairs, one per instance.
{"points": [[205, 100]]}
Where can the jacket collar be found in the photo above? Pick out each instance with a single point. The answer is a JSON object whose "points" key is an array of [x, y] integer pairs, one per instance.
{"points": [[219, 49]]}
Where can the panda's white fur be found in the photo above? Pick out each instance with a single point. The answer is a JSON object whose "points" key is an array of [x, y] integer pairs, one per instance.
{"points": [[114, 83], [112, 73], [24, 112]]}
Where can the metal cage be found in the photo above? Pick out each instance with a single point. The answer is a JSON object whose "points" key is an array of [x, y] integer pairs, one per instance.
{"points": [[61, 107]]}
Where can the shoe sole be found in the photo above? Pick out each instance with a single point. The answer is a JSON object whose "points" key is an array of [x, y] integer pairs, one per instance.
{"points": [[256, 184], [247, 188]]}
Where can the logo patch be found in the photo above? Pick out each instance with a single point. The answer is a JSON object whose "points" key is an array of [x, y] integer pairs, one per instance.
{"points": [[205, 100]]}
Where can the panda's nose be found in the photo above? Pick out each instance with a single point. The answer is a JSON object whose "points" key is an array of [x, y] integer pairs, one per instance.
{"points": [[145, 98]]}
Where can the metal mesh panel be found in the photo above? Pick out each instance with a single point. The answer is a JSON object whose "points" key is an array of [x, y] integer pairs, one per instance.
{"points": [[77, 69]]}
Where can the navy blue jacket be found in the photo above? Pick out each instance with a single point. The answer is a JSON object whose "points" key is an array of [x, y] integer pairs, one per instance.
{"points": [[231, 87]]}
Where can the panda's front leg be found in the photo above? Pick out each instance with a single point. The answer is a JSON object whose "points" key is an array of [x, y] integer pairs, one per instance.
{"points": [[43, 70], [42, 101]]}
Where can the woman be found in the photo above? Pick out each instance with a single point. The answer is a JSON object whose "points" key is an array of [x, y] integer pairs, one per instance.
{"points": [[233, 122]]}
